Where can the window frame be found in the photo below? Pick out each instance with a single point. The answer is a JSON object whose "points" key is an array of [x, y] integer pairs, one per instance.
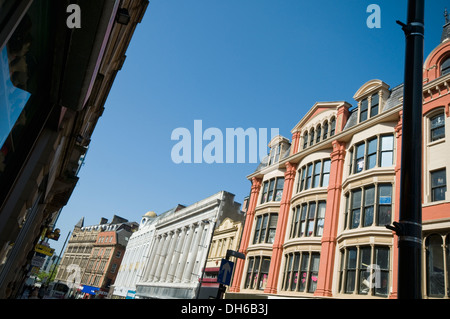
{"points": [[433, 188], [299, 274], [265, 226], [254, 277], [352, 270], [433, 129], [270, 189], [306, 220], [356, 211], [355, 156]]}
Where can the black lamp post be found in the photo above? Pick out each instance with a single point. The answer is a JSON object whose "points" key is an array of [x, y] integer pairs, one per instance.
{"points": [[409, 227]]}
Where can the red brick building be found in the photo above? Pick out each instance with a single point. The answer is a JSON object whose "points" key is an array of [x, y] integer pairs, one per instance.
{"points": [[315, 224]]}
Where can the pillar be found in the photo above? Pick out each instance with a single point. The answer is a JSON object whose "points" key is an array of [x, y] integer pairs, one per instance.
{"points": [[153, 260], [283, 216], [192, 254], [328, 251], [253, 201], [295, 142], [184, 253], [162, 257], [177, 254], [169, 254]]}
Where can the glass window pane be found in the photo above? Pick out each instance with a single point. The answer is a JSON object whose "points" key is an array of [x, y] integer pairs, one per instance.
{"points": [[264, 273], [308, 177], [314, 272], [387, 159], [437, 134], [351, 270], [249, 272], [445, 67], [435, 266], [325, 130], [271, 187], [373, 145], [437, 121], [257, 230], [305, 140], [279, 189], [264, 194], [438, 178], [387, 143], [317, 170], [304, 271], [263, 229], [255, 273], [319, 133], [369, 196], [384, 215], [295, 272], [364, 264], [311, 215], [438, 185], [287, 281], [320, 218], [356, 198]]}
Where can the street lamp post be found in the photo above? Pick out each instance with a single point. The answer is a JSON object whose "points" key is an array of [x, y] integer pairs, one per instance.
{"points": [[409, 227]]}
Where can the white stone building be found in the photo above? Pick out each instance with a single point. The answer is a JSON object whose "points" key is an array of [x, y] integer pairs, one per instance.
{"points": [[135, 257], [180, 247]]}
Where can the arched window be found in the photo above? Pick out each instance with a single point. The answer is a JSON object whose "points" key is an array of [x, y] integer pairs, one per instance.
{"points": [[305, 140], [319, 133], [437, 127], [435, 266], [333, 126], [311, 137], [445, 67], [325, 130]]}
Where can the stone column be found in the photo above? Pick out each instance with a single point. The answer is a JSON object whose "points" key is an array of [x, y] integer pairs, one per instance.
{"points": [[253, 201], [283, 215], [295, 142], [169, 255], [162, 257], [192, 255], [181, 233], [327, 254], [203, 247], [153, 260], [184, 254]]}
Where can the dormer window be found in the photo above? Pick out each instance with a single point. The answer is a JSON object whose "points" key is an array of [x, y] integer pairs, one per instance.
{"points": [[369, 107], [363, 110], [375, 100]]}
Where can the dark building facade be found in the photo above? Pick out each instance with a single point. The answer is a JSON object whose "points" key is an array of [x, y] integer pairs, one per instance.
{"points": [[55, 81]]}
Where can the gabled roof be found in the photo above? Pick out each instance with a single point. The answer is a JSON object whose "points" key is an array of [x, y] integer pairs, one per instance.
{"points": [[318, 108]]}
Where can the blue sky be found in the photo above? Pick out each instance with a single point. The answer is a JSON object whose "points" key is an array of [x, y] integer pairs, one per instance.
{"points": [[235, 63]]}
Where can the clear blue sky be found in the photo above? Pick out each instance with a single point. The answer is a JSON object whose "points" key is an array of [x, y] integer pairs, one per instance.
{"points": [[234, 63]]}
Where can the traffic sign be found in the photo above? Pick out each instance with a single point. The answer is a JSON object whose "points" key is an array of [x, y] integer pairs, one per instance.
{"points": [[226, 269]]}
